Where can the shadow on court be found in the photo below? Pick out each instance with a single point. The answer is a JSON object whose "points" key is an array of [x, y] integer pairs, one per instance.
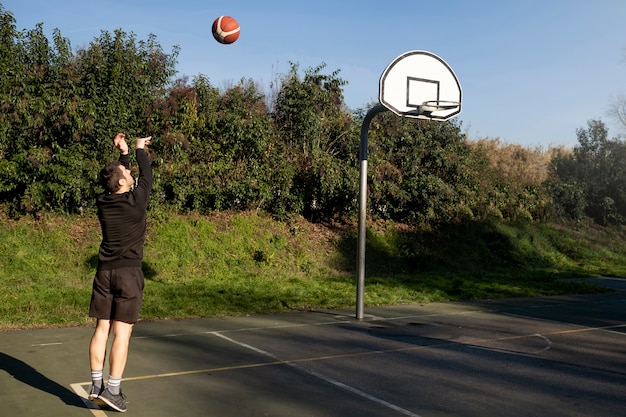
{"points": [[26, 374], [556, 356]]}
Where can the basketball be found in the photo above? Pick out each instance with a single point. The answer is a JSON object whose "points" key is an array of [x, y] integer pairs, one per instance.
{"points": [[225, 29]]}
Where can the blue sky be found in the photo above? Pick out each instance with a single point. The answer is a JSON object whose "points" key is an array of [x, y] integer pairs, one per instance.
{"points": [[532, 72]]}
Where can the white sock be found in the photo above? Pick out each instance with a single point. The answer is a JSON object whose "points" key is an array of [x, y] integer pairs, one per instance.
{"points": [[96, 378], [113, 385]]}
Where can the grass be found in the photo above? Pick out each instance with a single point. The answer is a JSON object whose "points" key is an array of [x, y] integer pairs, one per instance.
{"points": [[247, 263]]}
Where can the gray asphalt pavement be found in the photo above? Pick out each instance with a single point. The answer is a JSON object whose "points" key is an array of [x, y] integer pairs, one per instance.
{"points": [[550, 356]]}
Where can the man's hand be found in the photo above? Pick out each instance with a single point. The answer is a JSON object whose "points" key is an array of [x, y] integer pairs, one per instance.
{"points": [[141, 143], [120, 143]]}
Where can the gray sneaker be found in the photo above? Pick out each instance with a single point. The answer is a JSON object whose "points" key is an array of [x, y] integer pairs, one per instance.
{"points": [[116, 402], [95, 392]]}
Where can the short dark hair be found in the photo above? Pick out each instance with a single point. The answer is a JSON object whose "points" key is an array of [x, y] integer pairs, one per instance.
{"points": [[110, 176]]}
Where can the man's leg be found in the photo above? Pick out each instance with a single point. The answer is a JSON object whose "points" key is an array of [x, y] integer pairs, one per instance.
{"points": [[112, 395], [119, 349], [98, 345], [97, 356], [128, 283]]}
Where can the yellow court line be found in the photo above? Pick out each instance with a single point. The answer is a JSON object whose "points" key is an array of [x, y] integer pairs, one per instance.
{"points": [[78, 387], [200, 371], [353, 354], [584, 329]]}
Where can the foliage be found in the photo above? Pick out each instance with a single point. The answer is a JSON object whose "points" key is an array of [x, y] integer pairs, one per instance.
{"points": [[511, 180], [235, 149], [119, 77], [320, 140], [591, 180], [422, 171], [462, 219], [60, 110]]}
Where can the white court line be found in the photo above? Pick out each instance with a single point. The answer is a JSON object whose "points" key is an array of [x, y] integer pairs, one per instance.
{"points": [[80, 391], [47, 344], [247, 329], [78, 387], [323, 377], [548, 344], [475, 345]]}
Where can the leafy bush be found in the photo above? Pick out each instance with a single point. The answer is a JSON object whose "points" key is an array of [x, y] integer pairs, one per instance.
{"points": [[591, 180], [235, 149]]}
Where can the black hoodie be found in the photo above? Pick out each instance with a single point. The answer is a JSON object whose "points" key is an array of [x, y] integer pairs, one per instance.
{"points": [[123, 219]]}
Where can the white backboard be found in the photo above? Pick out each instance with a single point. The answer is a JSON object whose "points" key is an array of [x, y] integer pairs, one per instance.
{"points": [[417, 77]]}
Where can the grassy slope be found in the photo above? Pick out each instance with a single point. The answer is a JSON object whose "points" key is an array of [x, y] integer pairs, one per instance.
{"points": [[241, 263]]}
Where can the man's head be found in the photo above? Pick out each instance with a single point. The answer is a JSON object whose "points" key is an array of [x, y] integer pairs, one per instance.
{"points": [[115, 178]]}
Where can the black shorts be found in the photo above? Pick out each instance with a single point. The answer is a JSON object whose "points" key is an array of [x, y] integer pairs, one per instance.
{"points": [[117, 294]]}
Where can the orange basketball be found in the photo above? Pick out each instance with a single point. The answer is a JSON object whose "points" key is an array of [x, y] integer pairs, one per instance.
{"points": [[225, 29]]}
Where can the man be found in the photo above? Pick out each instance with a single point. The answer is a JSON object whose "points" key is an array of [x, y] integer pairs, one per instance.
{"points": [[119, 282]]}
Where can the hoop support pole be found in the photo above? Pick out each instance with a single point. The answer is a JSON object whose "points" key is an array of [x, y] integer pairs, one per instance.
{"points": [[363, 207]]}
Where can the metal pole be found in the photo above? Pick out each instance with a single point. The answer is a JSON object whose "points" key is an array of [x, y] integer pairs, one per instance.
{"points": [[363, 207]]}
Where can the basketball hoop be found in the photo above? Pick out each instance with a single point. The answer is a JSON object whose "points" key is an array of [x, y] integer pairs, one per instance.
{"points": [[437, 105], [413, 85], [427, 108]]}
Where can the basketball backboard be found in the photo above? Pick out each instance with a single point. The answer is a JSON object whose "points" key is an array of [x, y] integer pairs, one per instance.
{"points": [[420, 84]]}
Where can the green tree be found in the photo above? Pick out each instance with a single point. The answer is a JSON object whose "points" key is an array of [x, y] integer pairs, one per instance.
{"points": [[421, 171], [220, 147], [592, 179], [510, 181], [320, 140], [59, 111], [40, 170], [13, 72], [120, 78]]}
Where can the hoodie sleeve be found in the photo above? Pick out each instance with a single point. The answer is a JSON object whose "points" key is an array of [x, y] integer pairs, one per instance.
{"points": [[144, 182]]}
